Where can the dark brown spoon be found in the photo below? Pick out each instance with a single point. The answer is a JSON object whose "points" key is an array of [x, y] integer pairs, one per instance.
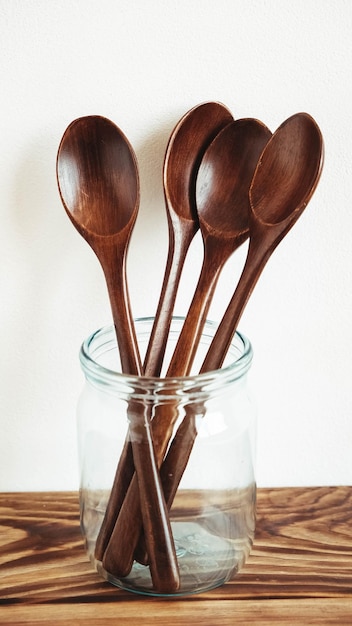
{"points": [[230, 161], [284, 181], [99, 187], [185, 149]]}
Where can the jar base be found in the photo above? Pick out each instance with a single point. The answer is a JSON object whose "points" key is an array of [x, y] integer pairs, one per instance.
{"points": [[206, 561]]}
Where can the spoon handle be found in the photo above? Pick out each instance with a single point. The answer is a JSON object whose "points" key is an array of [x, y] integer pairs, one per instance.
{"points": [[182, 359], [156, 523], [178, 455], [179, 242], [116, 281], [259, 252], [172, 468], [119, 553], [160, 545], [123, 476], [118, 556], [114, 268], [143, 503]]}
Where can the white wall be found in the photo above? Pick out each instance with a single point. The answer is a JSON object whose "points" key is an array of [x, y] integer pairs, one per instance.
{"points": [[143, 64]]}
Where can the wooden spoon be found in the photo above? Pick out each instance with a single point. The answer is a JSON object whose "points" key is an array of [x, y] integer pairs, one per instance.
{"points": [[99, 187], [185, 149], [283, 183], [229, 163], [223, 181]]}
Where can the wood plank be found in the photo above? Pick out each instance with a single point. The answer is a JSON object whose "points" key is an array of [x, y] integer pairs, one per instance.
{"points": [[300, 566], [184, 613]]}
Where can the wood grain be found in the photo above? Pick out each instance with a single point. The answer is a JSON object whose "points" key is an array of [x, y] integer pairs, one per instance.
{"points": [[299, 572]]}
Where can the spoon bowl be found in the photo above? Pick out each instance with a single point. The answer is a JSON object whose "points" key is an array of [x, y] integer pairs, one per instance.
{"points": [[296, 175], [89, 177]]}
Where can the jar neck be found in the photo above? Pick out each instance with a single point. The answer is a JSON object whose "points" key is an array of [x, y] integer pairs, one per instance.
{"points": [[99, 358]]}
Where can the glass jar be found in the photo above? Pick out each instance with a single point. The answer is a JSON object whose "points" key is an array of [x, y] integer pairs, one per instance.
{"points": [[210, 460]]}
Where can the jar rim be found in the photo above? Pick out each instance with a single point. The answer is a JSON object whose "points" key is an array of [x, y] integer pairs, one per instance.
{"points": [[234, 370]]}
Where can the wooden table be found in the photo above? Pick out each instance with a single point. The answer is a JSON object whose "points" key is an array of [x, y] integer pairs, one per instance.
{"points": [[299, 572]]}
